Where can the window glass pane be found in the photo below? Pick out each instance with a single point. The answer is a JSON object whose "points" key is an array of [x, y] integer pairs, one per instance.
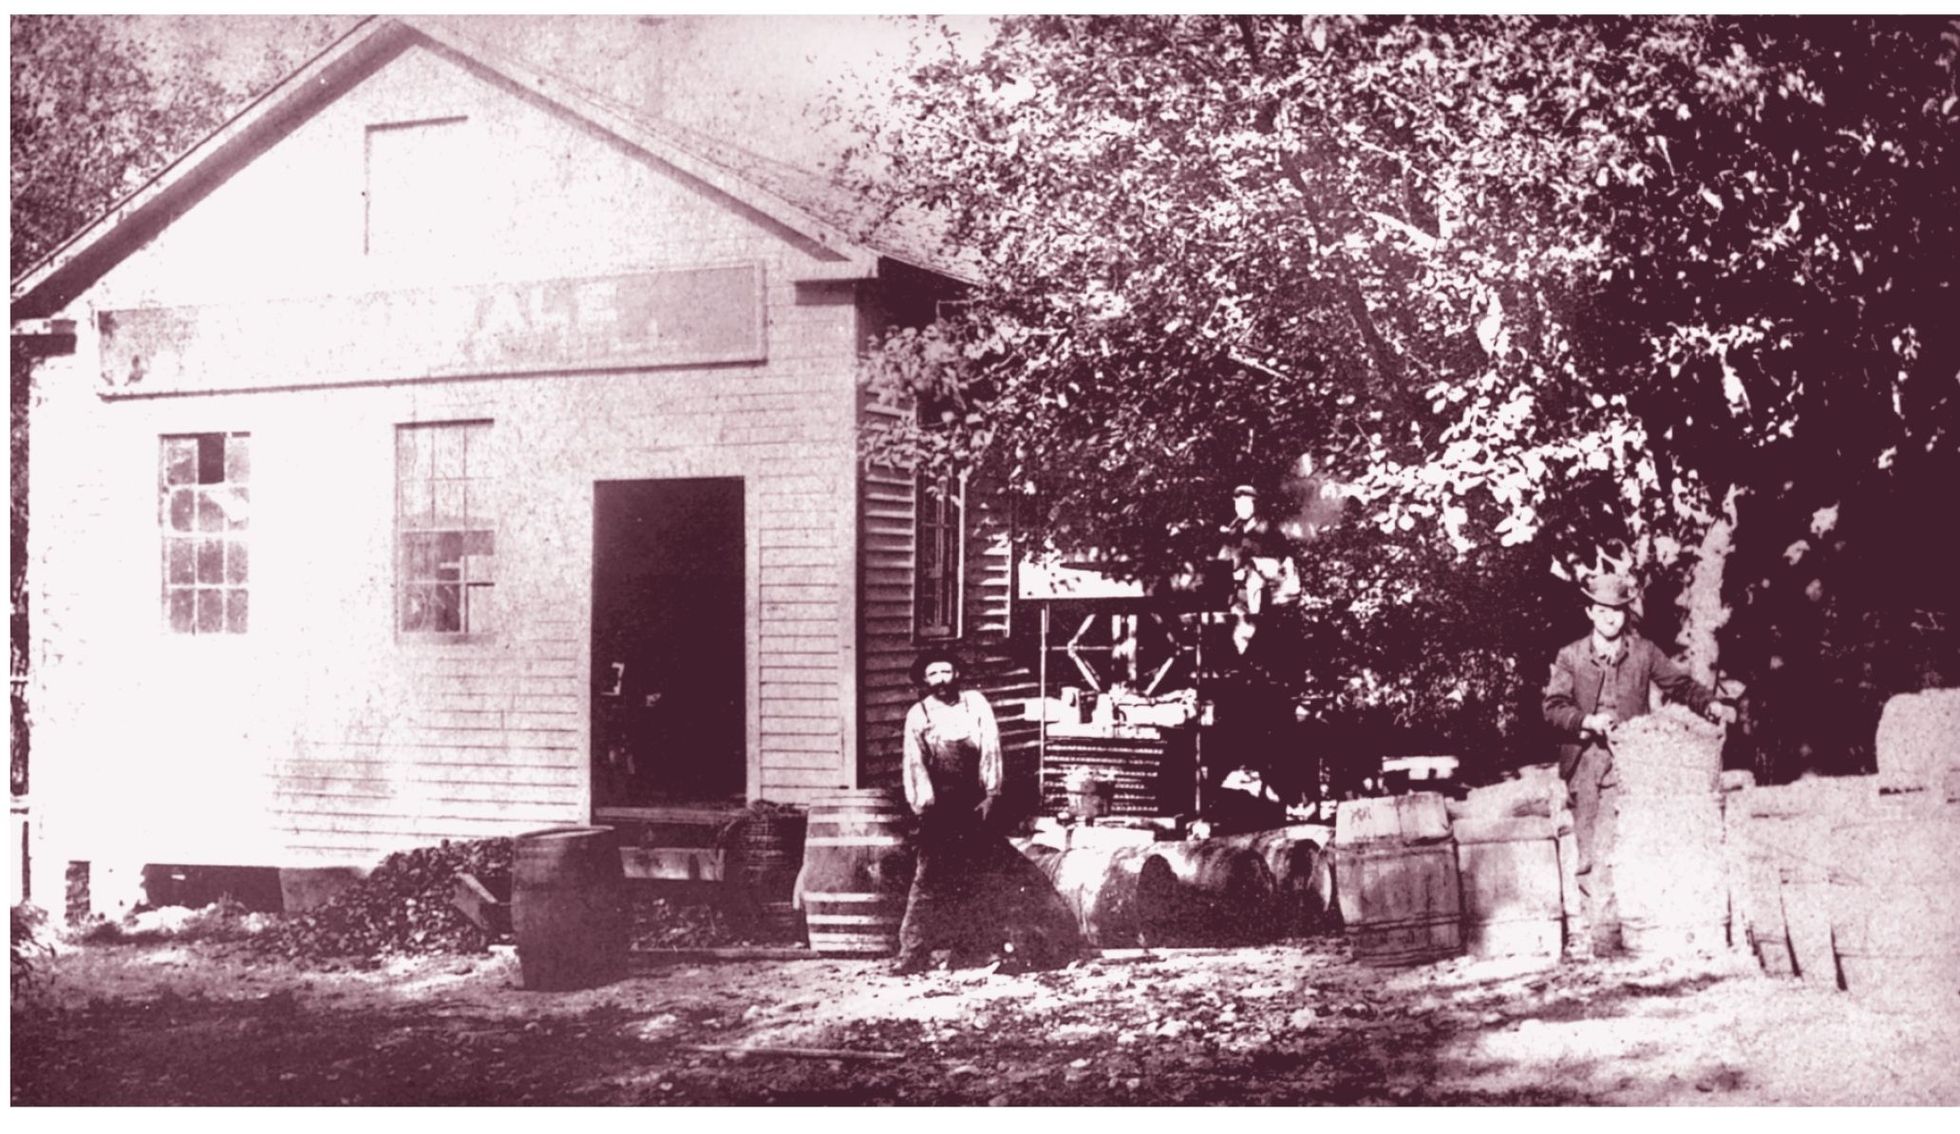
{"points": [[477, 505], [418, 556], [180, 460], [205, 577], [479, 543], [417, 503], [448, 613], [180, 564], [210, 561], [183, 508], [210, 515], [448, 444], [418, 607], [480, 609], [182, 605], [235, 503], [449, 557], [210, 458], [238, 459], [449, 504], [411, 453], [936, 581], [475, 449], [210, 610]]}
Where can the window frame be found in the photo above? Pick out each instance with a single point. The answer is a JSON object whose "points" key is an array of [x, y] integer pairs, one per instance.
{"points": [[924, 490], [203, 497], [470, 588]]}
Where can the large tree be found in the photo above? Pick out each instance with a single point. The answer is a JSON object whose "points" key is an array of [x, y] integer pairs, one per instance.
{"points": [[1521, 283]]}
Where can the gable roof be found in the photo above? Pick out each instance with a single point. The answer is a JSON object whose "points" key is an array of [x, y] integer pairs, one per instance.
{"points": [[802, 202]]}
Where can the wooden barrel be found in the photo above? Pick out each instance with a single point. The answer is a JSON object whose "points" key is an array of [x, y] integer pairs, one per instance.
{"points": [[1395, 877], [1100, 886], [1220, 894], [1513, 904], [568, 908], [765, 856], [1419, 817], [857, 871], [1893, 915], [1292, 855], [1668, 874], [1401, 902]]}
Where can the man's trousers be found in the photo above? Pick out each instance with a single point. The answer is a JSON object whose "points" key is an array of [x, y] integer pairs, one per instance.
{"points": [[1594, 791]]}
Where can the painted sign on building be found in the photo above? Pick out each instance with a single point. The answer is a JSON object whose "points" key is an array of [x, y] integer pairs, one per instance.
{"points": [[681, 317]]}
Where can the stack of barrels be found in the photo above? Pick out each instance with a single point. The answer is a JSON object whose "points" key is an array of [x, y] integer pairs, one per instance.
{"points": [[1126, 888]]}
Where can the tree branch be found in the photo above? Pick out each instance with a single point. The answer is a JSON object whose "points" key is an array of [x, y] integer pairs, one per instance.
{"points": [[1393, 379]]}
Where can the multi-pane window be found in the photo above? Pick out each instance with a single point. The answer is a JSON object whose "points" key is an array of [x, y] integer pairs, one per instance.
{"points": [[204, 507], [939, 564], [445, 530]]}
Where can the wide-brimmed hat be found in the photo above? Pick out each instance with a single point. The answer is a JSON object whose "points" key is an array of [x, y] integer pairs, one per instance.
{"points": [[1610, 590], [928, 656]]}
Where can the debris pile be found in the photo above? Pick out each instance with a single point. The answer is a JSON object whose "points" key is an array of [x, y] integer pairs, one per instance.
{"points": [[402, 907], [664, 923]]}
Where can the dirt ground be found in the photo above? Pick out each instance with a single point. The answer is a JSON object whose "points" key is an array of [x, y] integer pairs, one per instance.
{"points": [[1295, 1023]]}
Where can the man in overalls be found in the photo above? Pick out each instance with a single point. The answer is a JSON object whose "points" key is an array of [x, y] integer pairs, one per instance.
{"points": [[952, 769], [1597, 682], [972, 892]]}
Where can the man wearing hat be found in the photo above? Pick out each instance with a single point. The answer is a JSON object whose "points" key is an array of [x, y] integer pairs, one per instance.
{"points": [[1597, 682]]}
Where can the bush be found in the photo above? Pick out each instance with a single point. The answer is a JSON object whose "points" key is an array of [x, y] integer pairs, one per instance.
{"points": [[28, 948]]}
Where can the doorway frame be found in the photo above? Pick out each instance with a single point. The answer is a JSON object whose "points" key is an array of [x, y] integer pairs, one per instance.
{"points": [[751, 629]]}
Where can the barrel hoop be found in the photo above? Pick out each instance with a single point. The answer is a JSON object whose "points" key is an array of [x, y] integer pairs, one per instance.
{"points": [[813, 896], [856, 841]]}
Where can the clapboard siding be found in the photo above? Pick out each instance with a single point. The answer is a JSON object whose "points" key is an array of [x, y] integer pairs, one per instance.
{"points": [[888, 537]]}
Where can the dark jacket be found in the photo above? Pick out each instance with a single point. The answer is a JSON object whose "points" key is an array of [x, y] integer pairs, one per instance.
{"points": [[1578, 677]]}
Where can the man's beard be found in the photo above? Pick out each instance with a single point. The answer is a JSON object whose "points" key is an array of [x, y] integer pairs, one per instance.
{"points": [[949, 692]]}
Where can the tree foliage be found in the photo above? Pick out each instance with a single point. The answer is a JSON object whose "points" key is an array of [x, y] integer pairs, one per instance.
{"points": [[1519, 282]]}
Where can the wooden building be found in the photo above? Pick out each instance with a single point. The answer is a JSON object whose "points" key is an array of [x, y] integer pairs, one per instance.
{"points": [[441, 452]]}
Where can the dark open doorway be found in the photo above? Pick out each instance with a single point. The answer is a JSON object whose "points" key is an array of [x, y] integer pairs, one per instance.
{"points": [[668, 673]]}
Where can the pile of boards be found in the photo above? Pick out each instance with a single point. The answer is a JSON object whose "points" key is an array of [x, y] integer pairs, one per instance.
{"points": [[1850, 882]]}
